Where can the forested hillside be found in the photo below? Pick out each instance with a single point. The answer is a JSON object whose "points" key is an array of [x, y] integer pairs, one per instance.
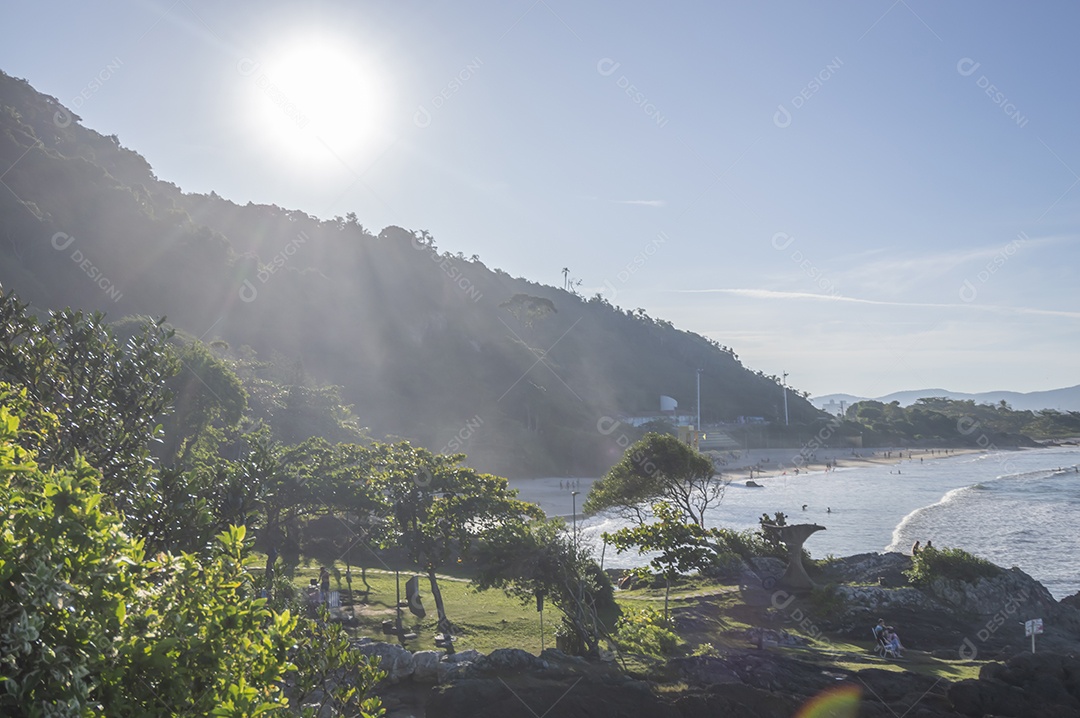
{"points": [[424, 345]]}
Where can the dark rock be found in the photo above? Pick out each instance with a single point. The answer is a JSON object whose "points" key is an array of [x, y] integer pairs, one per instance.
{"points": [[1026, 685], [505, 660], [554, 655], [394, 660], [770, 637], [869, 568], [530, 696], [469, 655], [979, 698], [704, 670]]}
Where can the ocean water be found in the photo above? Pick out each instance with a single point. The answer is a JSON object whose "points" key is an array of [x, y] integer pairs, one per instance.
{"points": [[1015, 508]]}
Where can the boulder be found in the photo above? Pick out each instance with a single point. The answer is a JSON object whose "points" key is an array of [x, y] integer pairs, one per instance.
{"points": [[469, 655], [704, 670], [454, 665], [505, 660], [770, 637], [1025, 685], [426, 666], [876, 599], [394, 660], [1072, 601], [1012, 592], [979, 698], [869, 567]]}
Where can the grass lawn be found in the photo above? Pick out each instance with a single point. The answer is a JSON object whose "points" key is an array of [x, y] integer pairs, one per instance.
{"points": [[484, 620], [490, 620]]}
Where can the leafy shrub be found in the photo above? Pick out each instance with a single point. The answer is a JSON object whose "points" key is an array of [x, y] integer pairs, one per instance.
{"points": [[90, 626], [646, 632], [826, 601], [749, 544], [954, 563]]}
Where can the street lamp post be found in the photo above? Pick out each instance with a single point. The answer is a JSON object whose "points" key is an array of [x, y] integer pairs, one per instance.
{"points": [[698, 427], [573, 497]]}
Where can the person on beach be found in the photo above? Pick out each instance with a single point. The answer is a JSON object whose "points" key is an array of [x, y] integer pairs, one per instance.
{"points": [[929, 544], [915, 548]]}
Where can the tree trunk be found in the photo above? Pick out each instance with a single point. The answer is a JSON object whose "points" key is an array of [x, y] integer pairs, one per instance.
{"points": [[444, 624], [436, 594], [667, 592]]}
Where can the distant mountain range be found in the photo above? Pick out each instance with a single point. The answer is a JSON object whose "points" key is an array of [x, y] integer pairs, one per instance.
{"points": [[1067, 399]]}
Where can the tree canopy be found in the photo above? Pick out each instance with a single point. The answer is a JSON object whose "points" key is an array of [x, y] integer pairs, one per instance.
{"points": [[659, 467]]}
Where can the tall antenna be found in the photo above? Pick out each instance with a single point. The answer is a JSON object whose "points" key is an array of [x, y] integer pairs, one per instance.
{"points": [[784, 382]]}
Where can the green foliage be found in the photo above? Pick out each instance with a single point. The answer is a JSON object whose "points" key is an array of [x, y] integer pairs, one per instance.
{"points": [[645, 631], [333, 675], [91, 626], [950, 563], [682, 547], [956, 422], [540, 558], [658, 468], [706, 649], [748, 544], [826, 600], [66, 575], [107, 397], [439, 509], [527, 309], [209, 401], [772, 538]]}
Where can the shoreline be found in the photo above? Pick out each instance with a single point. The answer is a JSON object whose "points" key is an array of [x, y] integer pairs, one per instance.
{"points": [[773, 463], [554, 494]]}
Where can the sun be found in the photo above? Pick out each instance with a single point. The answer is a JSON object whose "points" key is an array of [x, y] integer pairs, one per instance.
{"points": [[318, 99]]}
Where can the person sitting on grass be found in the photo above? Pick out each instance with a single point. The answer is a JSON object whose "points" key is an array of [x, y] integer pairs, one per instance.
{"points": [[892, 641]]}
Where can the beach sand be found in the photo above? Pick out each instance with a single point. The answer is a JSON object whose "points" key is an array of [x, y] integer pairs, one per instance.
{"points": [[553, 494]]}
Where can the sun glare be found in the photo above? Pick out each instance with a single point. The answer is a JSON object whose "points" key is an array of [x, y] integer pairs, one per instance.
{"points": [[318, 100]]}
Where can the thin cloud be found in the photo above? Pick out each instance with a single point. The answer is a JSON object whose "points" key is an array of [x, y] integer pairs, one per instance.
{"points": [[641, 202], [906, 271], [809, 296]]}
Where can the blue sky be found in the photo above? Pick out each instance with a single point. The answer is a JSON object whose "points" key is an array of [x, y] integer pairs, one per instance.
{"points": [[871, 196]]}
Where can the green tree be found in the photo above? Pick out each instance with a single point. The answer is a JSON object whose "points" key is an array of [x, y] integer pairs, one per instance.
{"points": [[209, 401], [680, 547], [440, 509], [658, 468], [108, 397], [539, 558]]}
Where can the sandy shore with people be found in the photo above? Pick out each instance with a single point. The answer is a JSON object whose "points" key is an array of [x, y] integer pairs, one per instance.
{"points": [[768, 463], [554, 494]]}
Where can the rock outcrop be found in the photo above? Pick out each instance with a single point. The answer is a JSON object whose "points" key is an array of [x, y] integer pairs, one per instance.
{"points": [[1039, 684]]}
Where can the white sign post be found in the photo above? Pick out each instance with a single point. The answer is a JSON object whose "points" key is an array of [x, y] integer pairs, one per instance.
{"points": [[1032, 628]]}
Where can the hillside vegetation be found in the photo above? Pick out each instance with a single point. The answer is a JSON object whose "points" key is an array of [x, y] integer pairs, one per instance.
{"points": [[425, 345]]}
